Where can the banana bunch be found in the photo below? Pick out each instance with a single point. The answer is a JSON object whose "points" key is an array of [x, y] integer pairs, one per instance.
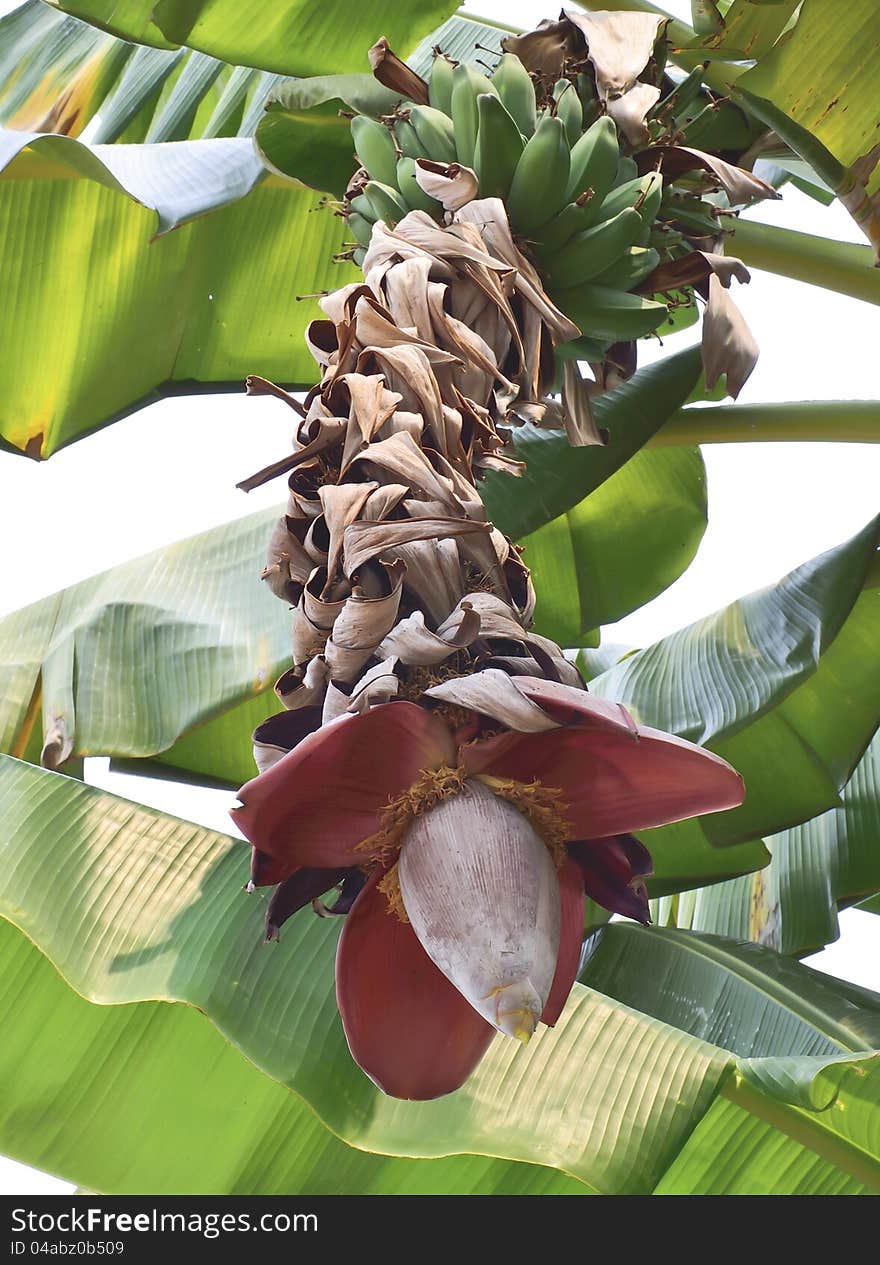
{"points": [[595, 227]]}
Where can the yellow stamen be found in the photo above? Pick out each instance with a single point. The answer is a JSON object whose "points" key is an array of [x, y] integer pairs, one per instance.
{"points": [[538, 804], [429, 789]]}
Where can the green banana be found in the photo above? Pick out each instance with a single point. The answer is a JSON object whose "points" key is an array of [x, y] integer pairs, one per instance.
{"points": [[440, 83], [606, 314], [693, 214], [593, 163], [590, 349], [626, 171], [644, 193], [435, 132], [556, 232], [467, 84], [537, 190], [569, 109], [664, 238], [586, 89], [407, 141], [649, 204], [411, 191], [361, 205], [591, 252], [517, 92], [375, 148], [631, 269], [682, 95], [360, 228], [387, 204], [499, 147]]}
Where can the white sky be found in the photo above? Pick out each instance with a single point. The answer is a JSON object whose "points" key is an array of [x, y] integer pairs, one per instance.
{"points": [[170, 471]]}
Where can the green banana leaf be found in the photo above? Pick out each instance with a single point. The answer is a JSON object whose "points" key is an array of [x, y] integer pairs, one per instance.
{"points": [[58, 74], [826, 864], [127, 661], [826, 49], [132, 907], [784, 684], [624, 544], [305, 132], [86, 218], [290, 37], [748, 30], [140, 1089], [558, 477], [783, 1021]]}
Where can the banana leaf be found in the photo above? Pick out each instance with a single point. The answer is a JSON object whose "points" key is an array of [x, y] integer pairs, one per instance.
{"points": [[291, 37], [139, 1088], [757, 1005], [783, 683], [558, 477], [826, 864], [134, 907], [120, 317], [624, 544], [829, 48]]}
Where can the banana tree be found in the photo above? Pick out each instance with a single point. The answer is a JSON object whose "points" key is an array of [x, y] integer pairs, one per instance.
{"points": [[487, 224]]}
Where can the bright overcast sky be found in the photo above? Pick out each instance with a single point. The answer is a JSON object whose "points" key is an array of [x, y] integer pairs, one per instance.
{"points": [[170, 471]]}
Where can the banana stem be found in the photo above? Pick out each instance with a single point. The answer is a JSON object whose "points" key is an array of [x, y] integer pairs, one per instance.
{"points": [[802, 421], [842, 266]]}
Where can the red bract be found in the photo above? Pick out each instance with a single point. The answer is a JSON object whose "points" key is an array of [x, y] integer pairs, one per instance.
{"points": [[481, 932]]}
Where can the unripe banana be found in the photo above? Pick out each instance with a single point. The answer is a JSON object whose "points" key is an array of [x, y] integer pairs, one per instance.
{"points": [[626, 171], [412, 192], [586, 88], [693, 214], [556, 232], [362, 206], [590, 253], [591, 349], [517, 92], [467, 84], [633, 266], [649, 206], [610, 315], [537, 191], [435, 133], [407, 141], [664, 238], [593, 163], [645, 193], [387, 204], [499, 147], [359, 255], [375, 148], [569, 109], [676, 102], [440, 83], [360, 228]]}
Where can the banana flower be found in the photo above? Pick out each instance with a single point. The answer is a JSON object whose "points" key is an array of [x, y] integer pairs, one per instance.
{"points": [[464, 831]]}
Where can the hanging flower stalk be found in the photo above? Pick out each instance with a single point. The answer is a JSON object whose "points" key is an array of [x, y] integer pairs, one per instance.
{"points": [[437, 762]]}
